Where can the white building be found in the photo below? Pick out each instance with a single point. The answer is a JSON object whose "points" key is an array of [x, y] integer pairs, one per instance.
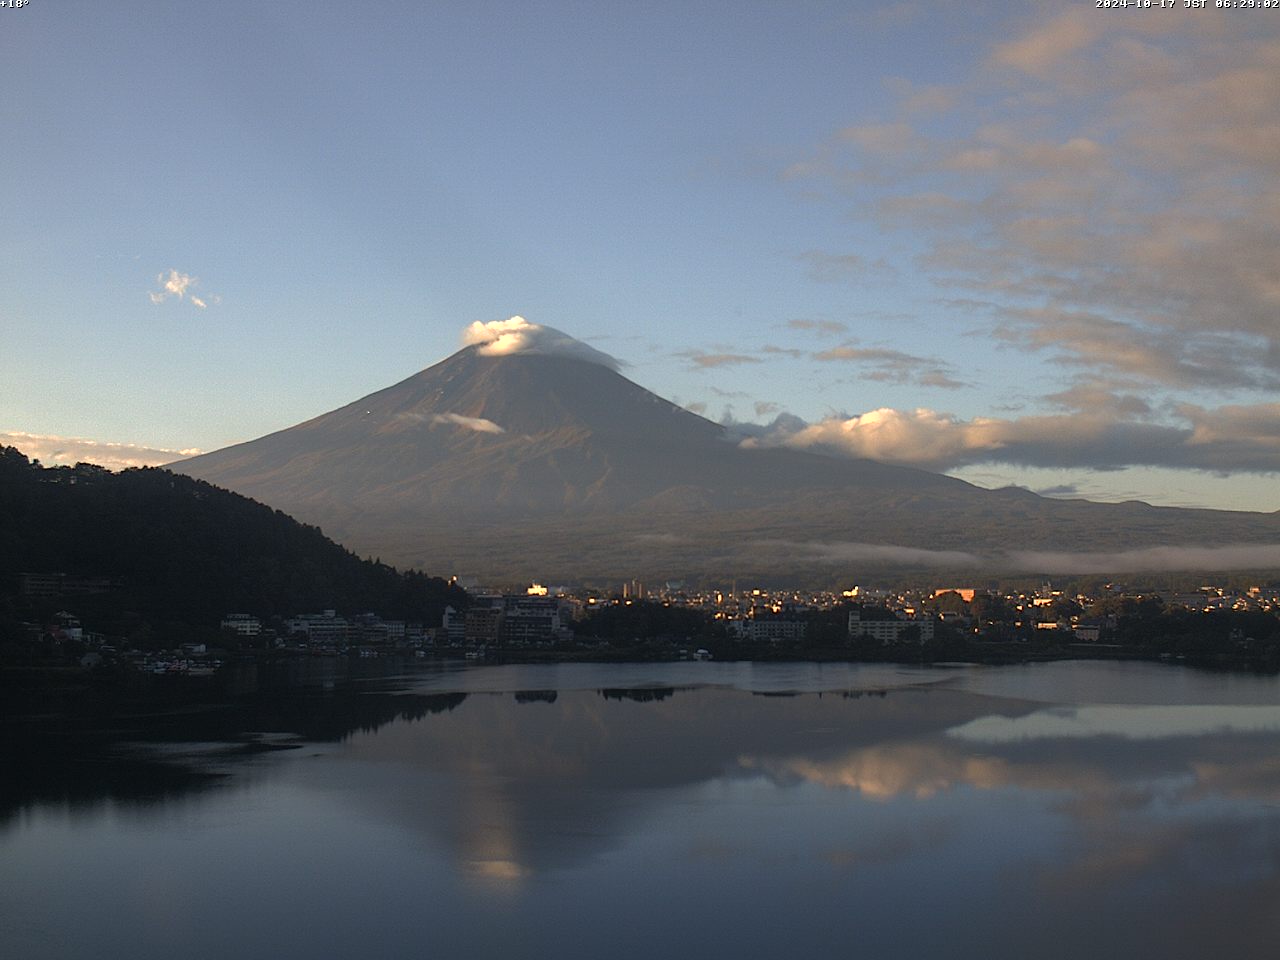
{"points": [[242, 624], [887, 631]]}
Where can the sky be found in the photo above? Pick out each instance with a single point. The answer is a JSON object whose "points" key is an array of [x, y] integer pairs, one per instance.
{"points": [[1035, 244]]}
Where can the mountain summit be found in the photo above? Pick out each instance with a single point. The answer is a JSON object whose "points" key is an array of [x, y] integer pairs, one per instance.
{"points": [[528, 453]]}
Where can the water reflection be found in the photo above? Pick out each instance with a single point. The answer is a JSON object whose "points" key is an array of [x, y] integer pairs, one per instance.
{"points": [[134, 749], [634, 818], [1131, 723], [536, 696]]}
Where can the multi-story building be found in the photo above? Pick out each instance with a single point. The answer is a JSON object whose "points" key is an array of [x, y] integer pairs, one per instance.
{"points": [[454, 626], [887, 631], [483, 621], [322, 629], [534, 619], [772, 630], [242, 624]]}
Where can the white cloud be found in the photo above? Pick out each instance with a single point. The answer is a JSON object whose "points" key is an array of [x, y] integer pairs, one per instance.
{"points": [[1233, 438], [498, 338], [179, 285], [67, 451], [919, 438], [478, 424]]}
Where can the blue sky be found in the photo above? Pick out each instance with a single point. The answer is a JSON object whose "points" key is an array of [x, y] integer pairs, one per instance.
{"points": [[1033, 244]]}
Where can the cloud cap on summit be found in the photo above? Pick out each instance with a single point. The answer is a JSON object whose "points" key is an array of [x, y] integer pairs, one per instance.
{"points": [[498, 338]]}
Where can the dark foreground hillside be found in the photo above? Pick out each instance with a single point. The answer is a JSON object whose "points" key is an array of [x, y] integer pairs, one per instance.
{"points": [[144, 548]]}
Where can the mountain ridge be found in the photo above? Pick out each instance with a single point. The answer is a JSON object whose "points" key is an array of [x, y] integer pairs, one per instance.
{"points": [[536, 464]]}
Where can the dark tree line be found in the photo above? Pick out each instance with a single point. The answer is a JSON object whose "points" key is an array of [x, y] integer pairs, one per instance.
{"points": [[643, 619], [181, 551]]}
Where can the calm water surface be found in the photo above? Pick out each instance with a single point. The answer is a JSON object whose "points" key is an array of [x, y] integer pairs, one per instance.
{"points": [[679, 810]]}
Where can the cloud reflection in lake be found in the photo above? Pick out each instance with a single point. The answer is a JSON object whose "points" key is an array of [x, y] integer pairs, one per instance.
{"points": [[1130, 723], [569, 821]]}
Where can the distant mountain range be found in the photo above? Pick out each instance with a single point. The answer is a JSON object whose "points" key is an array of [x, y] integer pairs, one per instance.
{"points": [[530, 465]]}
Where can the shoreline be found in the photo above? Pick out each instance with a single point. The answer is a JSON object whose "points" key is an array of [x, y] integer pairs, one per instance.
{"points": [[59, 679]]}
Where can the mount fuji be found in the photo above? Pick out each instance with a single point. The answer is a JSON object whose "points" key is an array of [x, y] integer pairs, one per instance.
{"points": [[528, 454]]}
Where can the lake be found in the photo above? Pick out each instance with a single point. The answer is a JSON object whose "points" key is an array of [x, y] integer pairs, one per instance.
{"points": [[667, 810]]}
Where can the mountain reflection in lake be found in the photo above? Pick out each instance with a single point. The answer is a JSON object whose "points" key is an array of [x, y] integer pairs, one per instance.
{"points": [[662, 810]]}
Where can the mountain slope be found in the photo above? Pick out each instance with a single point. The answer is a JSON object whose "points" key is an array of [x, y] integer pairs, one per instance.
{"points": [[512, 434], [527, 464]]}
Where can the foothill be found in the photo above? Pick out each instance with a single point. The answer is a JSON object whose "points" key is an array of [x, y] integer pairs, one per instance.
{"points": [[149, 572]]}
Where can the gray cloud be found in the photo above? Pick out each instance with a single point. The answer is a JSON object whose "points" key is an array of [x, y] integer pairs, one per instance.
{"points": [[923, 98], [1099, 398], [892, 366], [1048, 45], [1171, 558], [1122, 214], [783, 351], [1236, 437], [818, 326], [762, 434], [707, 361], [840, 267], [1149, 559], [893, 140], [937, 378], [1169, 357], [878, 553], [1060, 490]]}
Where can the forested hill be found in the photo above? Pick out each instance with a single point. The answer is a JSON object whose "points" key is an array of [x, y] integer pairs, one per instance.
{"points": [[159, 546]]}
